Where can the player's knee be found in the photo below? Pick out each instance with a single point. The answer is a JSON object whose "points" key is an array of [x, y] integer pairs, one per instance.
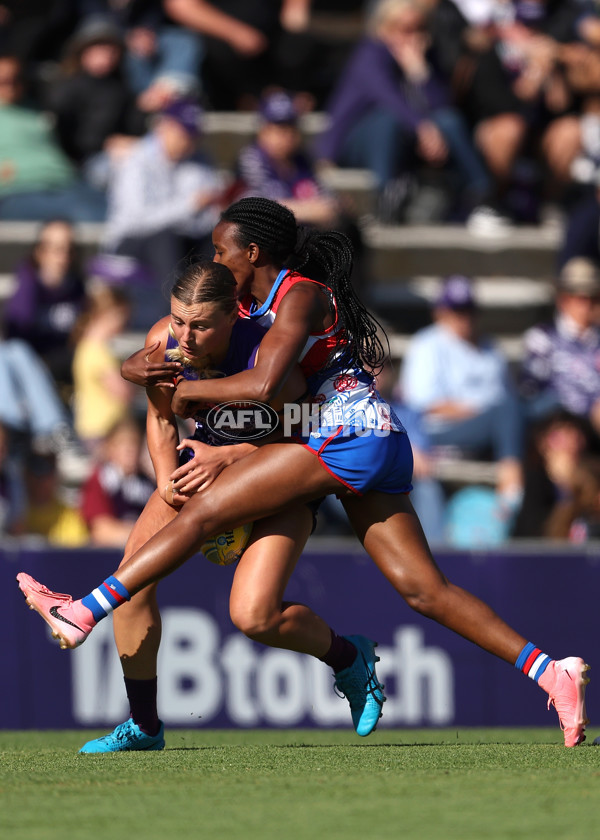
{"points": [[426, 597], [254, 622], [202, 516]]}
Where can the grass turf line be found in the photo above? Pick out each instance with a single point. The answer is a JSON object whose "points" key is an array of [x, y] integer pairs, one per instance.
{"points": [[303, 785]]}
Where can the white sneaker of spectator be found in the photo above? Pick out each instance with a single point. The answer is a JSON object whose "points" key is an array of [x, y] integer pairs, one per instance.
{"points": [[487, 221]]}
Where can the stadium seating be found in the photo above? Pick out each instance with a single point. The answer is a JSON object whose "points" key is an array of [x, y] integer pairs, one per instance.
{"points": [[513, 274]]}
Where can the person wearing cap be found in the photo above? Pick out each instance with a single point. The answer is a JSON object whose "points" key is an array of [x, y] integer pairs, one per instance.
{"points": [[92, 102], [561, 362], [163, 203], [161, 58], [459, 382], [276, 166]]}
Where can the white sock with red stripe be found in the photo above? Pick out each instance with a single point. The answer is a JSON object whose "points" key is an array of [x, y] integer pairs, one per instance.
{"points": [[532, 661], [110, 594]]}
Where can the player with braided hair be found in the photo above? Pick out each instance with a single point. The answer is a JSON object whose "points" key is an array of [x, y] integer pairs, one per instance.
{"points": [[324, 256], [358, 451]]}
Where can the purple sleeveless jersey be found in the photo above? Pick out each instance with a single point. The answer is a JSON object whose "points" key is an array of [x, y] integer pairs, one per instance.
{"points": [[241, 355]]}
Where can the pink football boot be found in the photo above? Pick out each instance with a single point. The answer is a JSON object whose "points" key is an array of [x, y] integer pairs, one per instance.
{"points": [[70, 622], [565, 680]]}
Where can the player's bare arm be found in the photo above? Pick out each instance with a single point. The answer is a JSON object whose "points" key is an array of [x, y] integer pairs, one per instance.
{"points": [[161, 424], [302, 311]]}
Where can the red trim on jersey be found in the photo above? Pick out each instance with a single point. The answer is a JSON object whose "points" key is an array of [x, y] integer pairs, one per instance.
{"points": [[290, 279], [319, 351]]}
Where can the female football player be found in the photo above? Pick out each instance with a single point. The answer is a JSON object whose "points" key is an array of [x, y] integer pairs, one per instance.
{"points": [[204, 337], [357, 450]]}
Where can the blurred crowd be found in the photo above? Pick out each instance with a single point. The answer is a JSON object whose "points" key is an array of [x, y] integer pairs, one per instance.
{"points": [[484, 113], [537, 421]]}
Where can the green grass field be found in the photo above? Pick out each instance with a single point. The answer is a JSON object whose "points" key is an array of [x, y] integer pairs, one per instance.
{"points": [[303, 785]]}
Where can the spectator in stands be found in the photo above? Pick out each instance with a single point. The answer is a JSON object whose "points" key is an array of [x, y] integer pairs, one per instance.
{"points": [[508, 66], [582, 227], [577, 519], [116, 492], [391, 108], [49, 296], [12, 489], [163, 204], [465, 47], [48, 515], [101, 396], [460, 383], [581, 61], [558, 446], [162, 60], [248, 45], [37, 181], [530, 40], [561, 364], [275, 165], [30, 405], [93, 106]]}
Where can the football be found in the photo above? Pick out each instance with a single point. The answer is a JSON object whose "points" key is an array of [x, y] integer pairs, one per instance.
{"points": [[228, 547]]}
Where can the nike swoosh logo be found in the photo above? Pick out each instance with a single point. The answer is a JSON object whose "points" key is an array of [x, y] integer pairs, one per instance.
{"points": [[55, 614]]}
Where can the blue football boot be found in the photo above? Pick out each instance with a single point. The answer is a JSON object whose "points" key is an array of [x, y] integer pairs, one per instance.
{"points": [[360, 686], [126, 736]]}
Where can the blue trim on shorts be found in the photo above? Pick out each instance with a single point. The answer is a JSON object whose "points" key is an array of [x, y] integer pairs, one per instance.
{"points": [[374, 459]]}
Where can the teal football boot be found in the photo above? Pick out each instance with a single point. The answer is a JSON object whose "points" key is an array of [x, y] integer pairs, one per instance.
{"points": [[125, 737], [360, 686]]}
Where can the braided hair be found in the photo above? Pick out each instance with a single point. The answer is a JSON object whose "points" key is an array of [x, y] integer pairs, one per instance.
{"points": [[325, 256]]}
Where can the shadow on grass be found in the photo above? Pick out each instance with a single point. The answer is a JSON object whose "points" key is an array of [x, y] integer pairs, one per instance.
{"points": [[217, 747]]}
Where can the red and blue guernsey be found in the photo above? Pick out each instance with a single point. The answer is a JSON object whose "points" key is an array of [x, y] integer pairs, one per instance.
{"points": [[347, 395]]}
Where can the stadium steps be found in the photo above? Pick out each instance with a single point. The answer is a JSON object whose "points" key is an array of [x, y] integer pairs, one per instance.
{"points": [[513, 276], [447, 249]]}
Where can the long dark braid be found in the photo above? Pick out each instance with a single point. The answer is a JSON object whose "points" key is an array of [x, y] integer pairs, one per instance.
{"points": [[325, 256]]}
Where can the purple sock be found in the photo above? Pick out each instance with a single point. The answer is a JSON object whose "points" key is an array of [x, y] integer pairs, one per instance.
{"points": [[341, 654], [142, 704]]}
